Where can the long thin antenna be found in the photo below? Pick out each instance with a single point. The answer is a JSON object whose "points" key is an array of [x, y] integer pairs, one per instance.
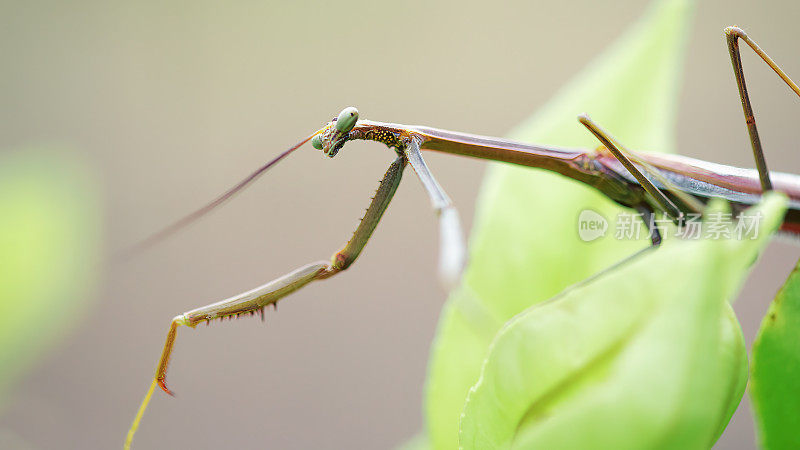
{"points": [[188, 219]]}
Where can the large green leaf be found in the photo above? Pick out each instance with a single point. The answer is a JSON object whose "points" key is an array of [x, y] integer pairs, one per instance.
{"points": [[775, 382], [49, 242], [648, 355], [525, 246]]}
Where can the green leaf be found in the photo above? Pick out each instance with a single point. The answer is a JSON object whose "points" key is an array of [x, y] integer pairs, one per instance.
{"points": [[775, 382], [49, 235], [625, 360], [524, 247]]}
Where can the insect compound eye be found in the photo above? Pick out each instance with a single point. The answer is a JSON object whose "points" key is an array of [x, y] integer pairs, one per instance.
{"points": [[316, 142], [347, 119]]}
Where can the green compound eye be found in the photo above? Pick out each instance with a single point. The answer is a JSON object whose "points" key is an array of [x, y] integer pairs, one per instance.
{"points": [[347, 119], [316, 142]]}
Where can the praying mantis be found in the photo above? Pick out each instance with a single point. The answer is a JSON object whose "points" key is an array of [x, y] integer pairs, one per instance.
{"points": [[650, 184]]}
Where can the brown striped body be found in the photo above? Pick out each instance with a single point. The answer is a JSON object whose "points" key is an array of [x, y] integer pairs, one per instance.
{"points": [[600, 170]]}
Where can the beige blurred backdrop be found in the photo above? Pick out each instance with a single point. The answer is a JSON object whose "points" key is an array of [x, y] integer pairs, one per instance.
{"points": [[175, 101]]}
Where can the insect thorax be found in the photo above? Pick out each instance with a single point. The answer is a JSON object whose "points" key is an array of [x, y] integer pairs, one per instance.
{"points": [[387, 136]]}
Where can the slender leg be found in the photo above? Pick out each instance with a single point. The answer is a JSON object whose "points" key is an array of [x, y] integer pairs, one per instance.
{"points": [[609, 142], [260, 297], [624, 157], [649, 217], [639, 253], [627, 158], [452, 249], [733, 35]]}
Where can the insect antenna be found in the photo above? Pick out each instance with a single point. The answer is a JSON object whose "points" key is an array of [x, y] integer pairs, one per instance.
{"points": [[224, 197]]}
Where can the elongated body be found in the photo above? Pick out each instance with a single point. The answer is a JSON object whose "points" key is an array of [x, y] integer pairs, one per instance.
{"points": [[601, 170]]}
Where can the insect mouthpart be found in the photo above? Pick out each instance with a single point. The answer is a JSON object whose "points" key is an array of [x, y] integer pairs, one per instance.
{"points": [[336, 146], [330, 140], [336, 133]]}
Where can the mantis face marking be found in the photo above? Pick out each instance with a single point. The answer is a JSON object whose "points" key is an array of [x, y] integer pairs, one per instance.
{"points": [[345, 127], [335, 133]]}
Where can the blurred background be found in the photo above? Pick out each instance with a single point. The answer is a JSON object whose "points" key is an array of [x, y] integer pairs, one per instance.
{"points": [[169, 103]]}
